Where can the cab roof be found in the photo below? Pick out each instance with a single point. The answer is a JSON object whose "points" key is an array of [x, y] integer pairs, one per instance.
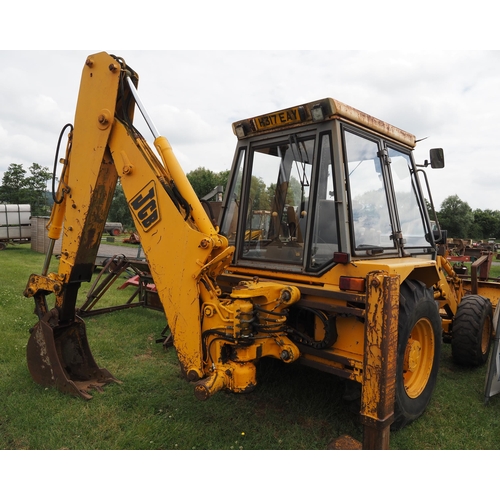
{"points": [[318, 111]]}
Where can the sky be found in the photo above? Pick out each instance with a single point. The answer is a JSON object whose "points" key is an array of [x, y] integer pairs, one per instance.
{"points": [[446, 96]]}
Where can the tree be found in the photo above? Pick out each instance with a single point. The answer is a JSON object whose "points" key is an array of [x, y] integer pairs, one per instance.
{"points": [[486, 224], [222, 178], [13, 184], [36, 189], [119, 210], [18, 189], [204, 180], [456, 217]]}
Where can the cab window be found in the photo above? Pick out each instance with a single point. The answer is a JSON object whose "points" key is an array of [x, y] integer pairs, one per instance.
{"points": [[369, 203], [276, 213]]}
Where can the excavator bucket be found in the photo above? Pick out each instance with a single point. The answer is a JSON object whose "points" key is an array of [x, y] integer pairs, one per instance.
{"points": [[60, 357]]}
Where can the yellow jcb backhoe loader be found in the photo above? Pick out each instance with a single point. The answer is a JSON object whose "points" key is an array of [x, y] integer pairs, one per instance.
{"points": [[340, 271]]}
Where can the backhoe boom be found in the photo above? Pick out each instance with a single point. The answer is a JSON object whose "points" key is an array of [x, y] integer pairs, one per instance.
{"points": [[217, 338]]}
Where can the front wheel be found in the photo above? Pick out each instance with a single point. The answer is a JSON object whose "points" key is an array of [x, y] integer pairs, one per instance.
{"points": [[419, 350]]}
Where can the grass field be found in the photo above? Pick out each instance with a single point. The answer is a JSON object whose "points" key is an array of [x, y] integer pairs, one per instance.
{"points": [[293, 408]]}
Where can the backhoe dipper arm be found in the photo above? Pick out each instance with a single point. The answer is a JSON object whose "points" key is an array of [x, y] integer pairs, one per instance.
{"points": [[217, 338]]}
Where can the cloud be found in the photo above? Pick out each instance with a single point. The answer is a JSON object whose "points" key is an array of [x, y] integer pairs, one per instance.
{"points": [[193, 97], [185, 126]]}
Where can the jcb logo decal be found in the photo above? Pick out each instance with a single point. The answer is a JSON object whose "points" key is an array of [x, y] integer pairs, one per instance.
{"points": [[145, 207]]}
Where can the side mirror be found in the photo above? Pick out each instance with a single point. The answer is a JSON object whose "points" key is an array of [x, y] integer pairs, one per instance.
{"points": [[437, 158], [440, 237]]}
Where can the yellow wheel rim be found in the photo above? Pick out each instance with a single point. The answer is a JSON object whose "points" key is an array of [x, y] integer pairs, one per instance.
{"points": [[419, 358]]}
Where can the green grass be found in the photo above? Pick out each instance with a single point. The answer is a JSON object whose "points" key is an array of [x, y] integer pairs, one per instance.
{"points": [[292, 408]]}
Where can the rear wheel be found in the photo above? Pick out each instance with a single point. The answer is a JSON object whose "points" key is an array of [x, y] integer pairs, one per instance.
{"points": [[472, 331], [419, 349]]}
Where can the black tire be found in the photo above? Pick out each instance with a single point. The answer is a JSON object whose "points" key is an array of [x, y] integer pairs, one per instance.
{"points": [[472, 331], [419, 350], [110, 263]]}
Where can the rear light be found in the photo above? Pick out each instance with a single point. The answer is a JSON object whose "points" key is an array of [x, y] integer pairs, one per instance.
{"points": [[348, 283]]}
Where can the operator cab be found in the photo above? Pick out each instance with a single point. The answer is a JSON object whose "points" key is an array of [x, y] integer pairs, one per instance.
{"points": [[323, 183]]}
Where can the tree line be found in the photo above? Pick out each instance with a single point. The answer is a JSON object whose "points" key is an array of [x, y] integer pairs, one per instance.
{"points": [[454, 215], [202, 180], [21, 186], [458, 218]]}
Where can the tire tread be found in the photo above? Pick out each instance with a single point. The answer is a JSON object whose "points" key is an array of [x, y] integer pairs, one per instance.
{"points": [[467, 329]]}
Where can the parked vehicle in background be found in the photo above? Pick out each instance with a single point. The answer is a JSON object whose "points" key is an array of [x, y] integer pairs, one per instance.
{"points": [[15, 224], [113, 228]]}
